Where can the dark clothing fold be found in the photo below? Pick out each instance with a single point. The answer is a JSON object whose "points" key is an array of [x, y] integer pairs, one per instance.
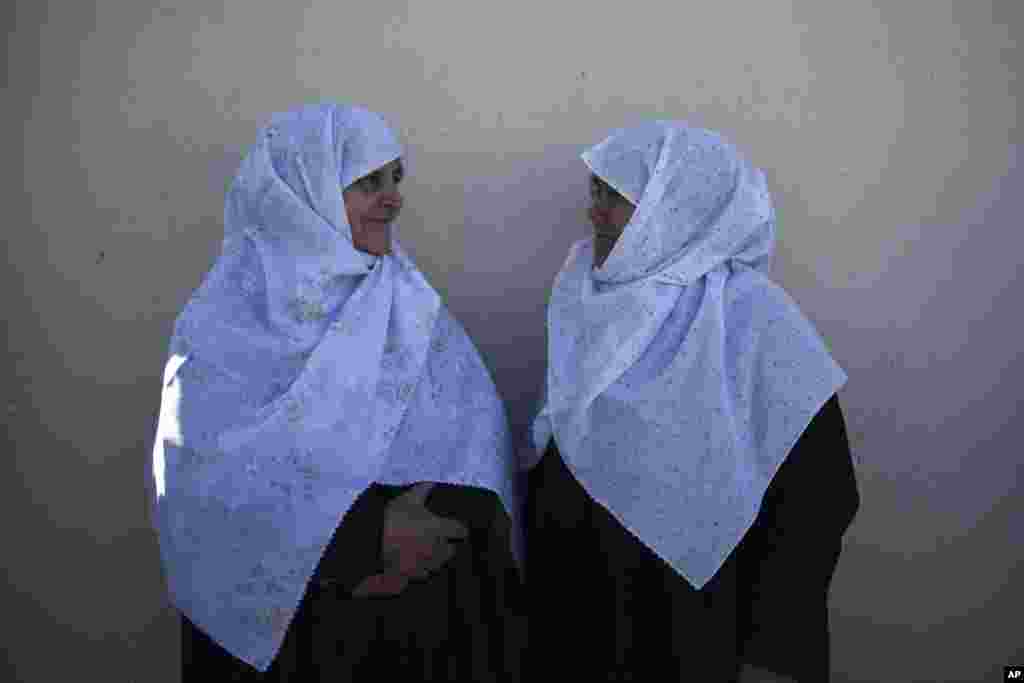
{"points": [[605, 607], [464, 623]]}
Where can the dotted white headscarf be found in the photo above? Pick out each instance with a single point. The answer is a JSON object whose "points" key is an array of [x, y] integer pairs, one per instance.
{"points": [[679, 376]]}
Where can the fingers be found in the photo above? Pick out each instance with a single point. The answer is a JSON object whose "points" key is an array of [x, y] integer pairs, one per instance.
{"points": [[380, 585], [391, 583], [442, 555], [428, 522], [429, 558], [443, 552], [450, 528], [422, 565], [415, 541], [390, 559]]}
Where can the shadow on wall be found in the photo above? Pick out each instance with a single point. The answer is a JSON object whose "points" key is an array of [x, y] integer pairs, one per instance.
{"points": [[518, 230]]}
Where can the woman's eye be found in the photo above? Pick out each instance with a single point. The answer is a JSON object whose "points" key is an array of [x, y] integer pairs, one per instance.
{"points": [[371, 182], [603, 192]]}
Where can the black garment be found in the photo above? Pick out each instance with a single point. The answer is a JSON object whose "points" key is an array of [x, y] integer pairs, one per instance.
{"points": [[461, 624], [604, 607]]}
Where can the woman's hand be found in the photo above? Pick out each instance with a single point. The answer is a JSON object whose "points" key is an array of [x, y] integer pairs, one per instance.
{"points": [[380, 585], [414, 543]]}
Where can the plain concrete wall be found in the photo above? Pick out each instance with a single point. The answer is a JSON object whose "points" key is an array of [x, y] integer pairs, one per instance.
{"points": [[889, 132]]}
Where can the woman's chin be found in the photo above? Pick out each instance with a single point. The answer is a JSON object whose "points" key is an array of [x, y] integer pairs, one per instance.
{"points": [[376, 249]]}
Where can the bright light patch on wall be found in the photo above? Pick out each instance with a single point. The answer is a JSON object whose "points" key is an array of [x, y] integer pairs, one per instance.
{"points": [[168, 428]]}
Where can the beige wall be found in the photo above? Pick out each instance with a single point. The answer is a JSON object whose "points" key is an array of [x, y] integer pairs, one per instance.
{"points": [[889, 134]]}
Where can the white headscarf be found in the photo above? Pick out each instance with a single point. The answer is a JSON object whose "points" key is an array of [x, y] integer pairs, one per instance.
{"points": [[679, 376], [301, 371]]}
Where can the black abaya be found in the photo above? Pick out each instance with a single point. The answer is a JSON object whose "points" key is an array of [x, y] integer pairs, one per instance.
{"points": [[604, 607], [461, 624]]}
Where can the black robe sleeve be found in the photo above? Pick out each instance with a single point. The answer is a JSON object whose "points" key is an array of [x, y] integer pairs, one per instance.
{"points": [[788, 556]]}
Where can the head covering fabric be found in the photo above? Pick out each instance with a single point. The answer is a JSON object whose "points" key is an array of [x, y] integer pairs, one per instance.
{"points": [[679, 376], [301, 371]]}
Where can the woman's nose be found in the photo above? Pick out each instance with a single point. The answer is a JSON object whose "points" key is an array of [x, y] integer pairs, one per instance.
{"points": [[393, 199]]}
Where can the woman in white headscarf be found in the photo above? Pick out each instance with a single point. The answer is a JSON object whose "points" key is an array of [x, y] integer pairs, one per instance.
{"points": [[332, 472], [695, 479]]}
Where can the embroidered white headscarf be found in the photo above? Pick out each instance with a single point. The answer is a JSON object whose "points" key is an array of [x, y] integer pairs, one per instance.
{"points": [[301, 371], [679, 376]]}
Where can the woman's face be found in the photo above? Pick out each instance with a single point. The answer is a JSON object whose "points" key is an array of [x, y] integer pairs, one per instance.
{"points": [[372, 204], [610, 212]]}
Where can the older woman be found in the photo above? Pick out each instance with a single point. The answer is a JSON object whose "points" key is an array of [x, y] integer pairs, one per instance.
{"points": [[332, 457], [695, 482]]}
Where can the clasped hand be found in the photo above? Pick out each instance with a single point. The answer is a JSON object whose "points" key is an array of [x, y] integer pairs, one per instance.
{"points": [[414, 543]]}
